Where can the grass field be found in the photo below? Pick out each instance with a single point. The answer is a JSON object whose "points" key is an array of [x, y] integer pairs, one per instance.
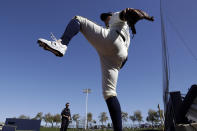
{"points": [[57, 129]]}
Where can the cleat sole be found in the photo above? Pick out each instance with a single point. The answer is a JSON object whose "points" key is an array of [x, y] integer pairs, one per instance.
{"points": [[46, 47]]}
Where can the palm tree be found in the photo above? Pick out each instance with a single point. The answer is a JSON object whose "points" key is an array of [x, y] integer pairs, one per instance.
{"points": [[124, 117], [47, 118], [132, 118], [23, 117], [153, 117], [50, 119], [138, 116], [57, 119], [89, 118], [103, 117], [39, 116], [76, 119]]}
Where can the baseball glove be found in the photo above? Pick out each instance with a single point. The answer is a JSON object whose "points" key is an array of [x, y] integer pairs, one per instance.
{"points": [[132, 16]]}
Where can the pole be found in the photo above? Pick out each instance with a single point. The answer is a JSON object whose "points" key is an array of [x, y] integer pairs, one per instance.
{"points": [[86, 110], [86, 91]]}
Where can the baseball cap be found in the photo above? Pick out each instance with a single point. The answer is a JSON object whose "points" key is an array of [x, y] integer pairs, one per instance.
{"points": [[103, 16]]}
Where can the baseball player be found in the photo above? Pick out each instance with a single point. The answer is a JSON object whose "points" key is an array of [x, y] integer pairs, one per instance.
{"points": [[66, 117], [111, 43]]}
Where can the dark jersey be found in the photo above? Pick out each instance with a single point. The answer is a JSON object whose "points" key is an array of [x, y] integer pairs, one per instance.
{"points": [[66, 112]]}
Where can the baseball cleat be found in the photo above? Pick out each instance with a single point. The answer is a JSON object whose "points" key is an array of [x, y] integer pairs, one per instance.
{"points": [[55, 46]]}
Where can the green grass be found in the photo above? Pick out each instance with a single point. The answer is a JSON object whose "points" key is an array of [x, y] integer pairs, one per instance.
{"points": [[27, 130], [24, 130], [57, 129], [49, 129]]}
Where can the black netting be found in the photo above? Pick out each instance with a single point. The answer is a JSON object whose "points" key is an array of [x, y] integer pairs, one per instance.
{"points": [[179, 42]]}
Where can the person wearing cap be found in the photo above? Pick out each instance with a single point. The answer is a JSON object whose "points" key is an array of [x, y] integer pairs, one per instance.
{"points": [[66, 117], [111, 43]]}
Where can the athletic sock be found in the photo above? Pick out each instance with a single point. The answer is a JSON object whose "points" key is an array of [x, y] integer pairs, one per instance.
{"points": [[115, 112], [71, 30]]}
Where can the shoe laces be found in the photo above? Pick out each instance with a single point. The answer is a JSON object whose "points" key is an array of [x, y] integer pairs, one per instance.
{"points": [[55, 41], [53, 37]]}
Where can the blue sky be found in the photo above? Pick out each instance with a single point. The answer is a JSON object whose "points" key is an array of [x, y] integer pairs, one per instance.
{"points": [[33, 80]]}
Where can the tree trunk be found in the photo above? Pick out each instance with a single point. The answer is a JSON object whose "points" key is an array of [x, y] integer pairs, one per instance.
{"points": [[52, 124], [77, 124]]}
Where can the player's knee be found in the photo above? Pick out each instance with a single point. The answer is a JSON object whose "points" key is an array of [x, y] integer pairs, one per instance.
{"points": [[77, 17], [80, 18], [107, 95]]}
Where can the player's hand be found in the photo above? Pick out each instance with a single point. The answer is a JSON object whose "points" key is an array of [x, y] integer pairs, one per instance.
{"points": [[65, 116], [152, 18]]}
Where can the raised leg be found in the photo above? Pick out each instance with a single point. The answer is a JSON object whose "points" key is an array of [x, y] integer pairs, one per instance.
{"points": [[71, 30]]}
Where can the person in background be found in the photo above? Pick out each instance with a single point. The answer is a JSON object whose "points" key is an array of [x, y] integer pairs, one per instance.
{"points": [[66, 117]]}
